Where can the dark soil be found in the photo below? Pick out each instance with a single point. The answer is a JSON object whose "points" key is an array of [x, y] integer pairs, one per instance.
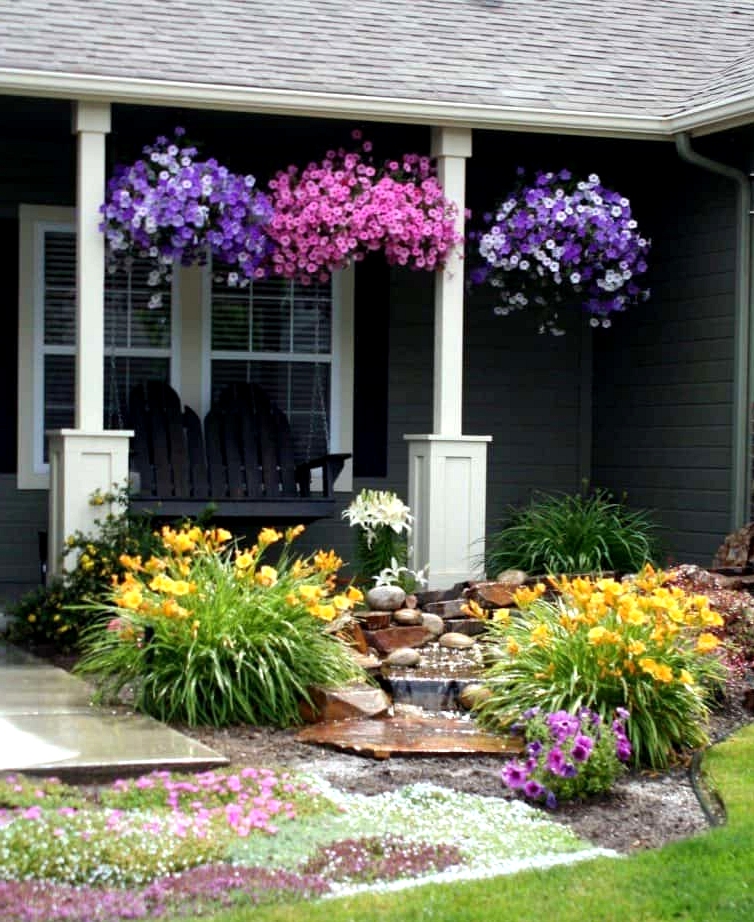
{"points": [[644, 810]]}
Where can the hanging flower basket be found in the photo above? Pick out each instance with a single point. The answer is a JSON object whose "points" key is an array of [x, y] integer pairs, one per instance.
{"points": [[335, 212], [559, 242], [171, 208]]}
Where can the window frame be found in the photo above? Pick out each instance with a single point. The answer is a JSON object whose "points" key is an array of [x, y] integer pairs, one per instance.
{"points": [[35, 221], [341, 366]]}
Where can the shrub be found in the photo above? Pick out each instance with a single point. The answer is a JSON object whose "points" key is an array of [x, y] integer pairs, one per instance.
{"points": [[572, 534], [52, 616], [602, 644], [568, 755], [206, 633]]}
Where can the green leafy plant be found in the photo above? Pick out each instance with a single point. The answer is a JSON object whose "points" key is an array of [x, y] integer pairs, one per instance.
{"points": [[51, 616], [564, 533], [206, 633], [602, 644]]}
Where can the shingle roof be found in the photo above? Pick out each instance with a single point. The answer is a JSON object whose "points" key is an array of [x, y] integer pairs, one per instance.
{"points": [[653, 58]]}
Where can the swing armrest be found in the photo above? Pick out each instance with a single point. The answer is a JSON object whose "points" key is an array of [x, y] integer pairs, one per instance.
{"points": [[331, 466]]}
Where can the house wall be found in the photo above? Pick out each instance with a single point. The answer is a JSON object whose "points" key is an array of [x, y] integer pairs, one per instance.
{"points": [[663, 376], [37, 166]]}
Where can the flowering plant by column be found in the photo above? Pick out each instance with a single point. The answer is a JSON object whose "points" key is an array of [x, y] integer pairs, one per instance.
{"points": [[172, 208], [335, 212], [558, 241], [207, 633], [383, 525]]}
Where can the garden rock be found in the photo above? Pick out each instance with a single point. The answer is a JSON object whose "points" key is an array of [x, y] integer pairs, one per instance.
{"points": [[403, 656], [473, 695], [407, 616], [737, 550], [352, 701], [385, 598], [512, 578], [470, 626], [448, 608], [394, 637], [374, 620], [456, 641], [491, 595], [433, 623]]}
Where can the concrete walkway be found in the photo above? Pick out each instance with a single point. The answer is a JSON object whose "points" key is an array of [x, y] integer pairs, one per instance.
{"points": [[47, 725]]}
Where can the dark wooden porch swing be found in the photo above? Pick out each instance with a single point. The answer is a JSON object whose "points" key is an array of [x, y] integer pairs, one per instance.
{"points": [[241, 462]]}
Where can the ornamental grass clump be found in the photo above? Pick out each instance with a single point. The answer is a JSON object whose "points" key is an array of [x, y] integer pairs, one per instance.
{"points": [[604, 644], [568, 756], [208, 633], [572, 534], [383, 525]]}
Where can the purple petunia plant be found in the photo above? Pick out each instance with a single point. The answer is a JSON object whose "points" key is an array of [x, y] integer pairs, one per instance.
{"points": [[558, 241], [568, 756], [171, 208]]}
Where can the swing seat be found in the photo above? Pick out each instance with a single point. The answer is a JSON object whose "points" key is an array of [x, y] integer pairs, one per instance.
{"points": [[241, 462]]}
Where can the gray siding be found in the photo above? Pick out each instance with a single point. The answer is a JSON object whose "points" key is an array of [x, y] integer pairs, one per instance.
{"points": [[663, 376], [524, 389], [521, 388], [23, 514]]}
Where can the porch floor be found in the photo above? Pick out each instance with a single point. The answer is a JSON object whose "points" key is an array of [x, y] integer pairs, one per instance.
{"points": [[47, 725]]}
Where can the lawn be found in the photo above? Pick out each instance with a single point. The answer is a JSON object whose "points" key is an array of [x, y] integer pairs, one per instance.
{"points": [[709, 878]]}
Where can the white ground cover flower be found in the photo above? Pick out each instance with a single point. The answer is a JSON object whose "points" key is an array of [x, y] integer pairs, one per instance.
{"points": [[497, 836]]}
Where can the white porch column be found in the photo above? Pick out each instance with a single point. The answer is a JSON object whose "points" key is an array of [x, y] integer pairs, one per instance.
{"points": [[88, 457], [91, 124], [447, 480]]}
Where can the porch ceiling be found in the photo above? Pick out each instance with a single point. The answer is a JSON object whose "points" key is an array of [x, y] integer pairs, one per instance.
{"points": [[612, 67]]}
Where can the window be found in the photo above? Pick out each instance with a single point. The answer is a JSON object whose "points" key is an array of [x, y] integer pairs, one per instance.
{"points": [[137, 340], [279, 334]]}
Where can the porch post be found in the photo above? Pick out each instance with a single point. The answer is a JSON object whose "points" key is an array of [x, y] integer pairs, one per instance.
{"points": [[87, 457], [447, 485]]}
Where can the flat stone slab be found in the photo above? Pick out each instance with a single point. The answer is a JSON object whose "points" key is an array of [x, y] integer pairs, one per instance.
{"points": [[380, 739], [40, 689], [49, 726], [99, 743]]}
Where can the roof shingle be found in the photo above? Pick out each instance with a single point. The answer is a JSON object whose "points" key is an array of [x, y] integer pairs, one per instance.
{"points": [[638, 57]]}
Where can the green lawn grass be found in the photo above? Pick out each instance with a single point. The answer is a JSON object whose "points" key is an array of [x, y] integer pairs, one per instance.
{"points": [[709, 878]]}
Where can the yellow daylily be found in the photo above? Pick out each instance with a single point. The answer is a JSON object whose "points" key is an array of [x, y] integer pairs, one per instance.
{"points": [[474, 610], [266, 576], [706, 642], [540, 635], [268, 536], [327, 561], [524, 596]]}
